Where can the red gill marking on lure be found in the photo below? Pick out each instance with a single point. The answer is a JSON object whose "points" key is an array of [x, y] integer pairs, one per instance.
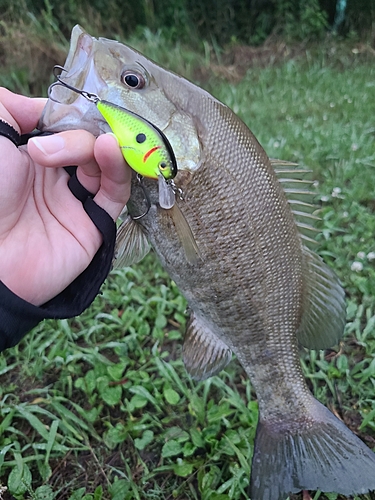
{"points": [[146, 156]]}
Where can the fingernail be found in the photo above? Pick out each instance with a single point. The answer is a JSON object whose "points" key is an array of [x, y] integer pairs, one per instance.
{"points": [[50, 144]]}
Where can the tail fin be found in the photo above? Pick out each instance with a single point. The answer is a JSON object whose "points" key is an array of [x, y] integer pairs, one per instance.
{"points": [[319, 454]]}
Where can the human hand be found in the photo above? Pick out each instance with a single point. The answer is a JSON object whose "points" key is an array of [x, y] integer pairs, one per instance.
{"points": [[46, 237]]}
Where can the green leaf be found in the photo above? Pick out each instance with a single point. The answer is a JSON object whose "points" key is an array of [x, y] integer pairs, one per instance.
{"points": [[119, 489], [34, 422], [3, 451], [146, 439], [242, 459], [209, 479], [218, 412], [331, 496], [19, 480], [90, 381], [44, 470], [196, 437], [196, 408], [93, 414], [182, 469], [68, 417], [161, 321], [171, 448], [78, 494], [171, 396], [177, 433], [44, 492], [174, 335], [6, 421], [116, 371], [80, 383], [368, 418], [115, 435], [98, 493], [51, 438], [110, 394], [143, 392], [138, 401], [188, 449]]}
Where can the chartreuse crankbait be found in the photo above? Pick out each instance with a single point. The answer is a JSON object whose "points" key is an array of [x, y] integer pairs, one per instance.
{"points": [[144, 147]]}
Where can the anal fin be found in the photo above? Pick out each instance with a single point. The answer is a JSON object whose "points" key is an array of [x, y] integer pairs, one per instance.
{"points": [[204, 354]]}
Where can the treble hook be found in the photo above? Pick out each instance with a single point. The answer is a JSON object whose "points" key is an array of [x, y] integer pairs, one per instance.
{"points": [[147, 198], [87, 95]]}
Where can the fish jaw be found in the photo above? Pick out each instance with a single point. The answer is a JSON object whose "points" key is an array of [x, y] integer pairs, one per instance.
{"points": [[96, 65], [66, 110]]}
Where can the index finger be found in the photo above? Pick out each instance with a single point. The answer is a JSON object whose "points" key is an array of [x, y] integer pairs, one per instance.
{"points": [[21, 112]]}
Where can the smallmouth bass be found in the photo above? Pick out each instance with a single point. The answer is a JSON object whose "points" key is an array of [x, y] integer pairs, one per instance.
{"points": [[234, 243]]}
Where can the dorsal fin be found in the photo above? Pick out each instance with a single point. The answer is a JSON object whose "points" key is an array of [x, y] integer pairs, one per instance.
{"points": [[204, 354], [131, 244], [323, 320], [298, 190]]}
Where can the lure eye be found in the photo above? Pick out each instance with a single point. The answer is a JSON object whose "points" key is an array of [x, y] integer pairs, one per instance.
{"points": [[133, 79], [163, 165], [140, 138]]}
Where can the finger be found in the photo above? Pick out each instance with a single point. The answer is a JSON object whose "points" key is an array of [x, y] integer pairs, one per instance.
{"points": [[73, 147], [16, 178], [116, 176], [21, 112]]}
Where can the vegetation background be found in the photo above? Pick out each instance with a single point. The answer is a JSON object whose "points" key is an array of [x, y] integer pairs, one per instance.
{"points": [[101, 407]]}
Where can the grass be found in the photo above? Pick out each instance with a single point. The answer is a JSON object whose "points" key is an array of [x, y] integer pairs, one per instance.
{"points": [[100, 407]]}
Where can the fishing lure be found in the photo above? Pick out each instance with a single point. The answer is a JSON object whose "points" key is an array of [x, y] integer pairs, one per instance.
{"points": [[145, 148]]}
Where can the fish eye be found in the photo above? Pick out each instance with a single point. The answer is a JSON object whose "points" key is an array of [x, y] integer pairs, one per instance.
{"points": [[133, 79], [162, 165]]}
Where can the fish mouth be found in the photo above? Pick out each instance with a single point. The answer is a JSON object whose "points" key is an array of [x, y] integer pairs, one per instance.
{"points": [[67, 109], [95, 66]]}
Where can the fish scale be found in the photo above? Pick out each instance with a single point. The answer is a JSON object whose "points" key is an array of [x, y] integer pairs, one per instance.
{"points": [[233, 243], [257, 281]]}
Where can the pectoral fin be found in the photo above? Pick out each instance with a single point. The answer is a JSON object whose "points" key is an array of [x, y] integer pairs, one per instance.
{"points": [[204, 354], [323, 320], [131, 244], [184, 234]]}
